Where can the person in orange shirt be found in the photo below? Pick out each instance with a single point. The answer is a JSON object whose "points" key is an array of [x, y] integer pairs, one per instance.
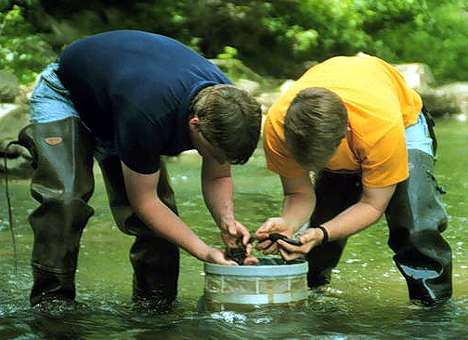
{"points": [[356, 127]]}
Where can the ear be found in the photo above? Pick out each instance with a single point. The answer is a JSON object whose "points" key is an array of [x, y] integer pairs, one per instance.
{"points": [[194, 121]]}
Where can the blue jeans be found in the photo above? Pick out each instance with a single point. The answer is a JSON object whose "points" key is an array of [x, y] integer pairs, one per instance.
{"points": [[417, 136], [50, 101]]}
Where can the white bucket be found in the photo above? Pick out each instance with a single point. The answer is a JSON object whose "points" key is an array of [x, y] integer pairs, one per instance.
{"points": [[271, 282]]}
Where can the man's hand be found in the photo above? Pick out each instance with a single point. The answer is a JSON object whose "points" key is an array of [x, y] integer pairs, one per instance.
{"points": [[235, 235], [232, 231], [298, 205], [309, 239], [272, 225], [214, 255]]}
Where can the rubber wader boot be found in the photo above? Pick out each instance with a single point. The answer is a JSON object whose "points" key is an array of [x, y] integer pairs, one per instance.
{"points": [[416, 218], [62, 182], [155, 260], [335, 193]]}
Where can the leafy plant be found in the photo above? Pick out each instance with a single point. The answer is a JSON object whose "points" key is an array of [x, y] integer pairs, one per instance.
{"points": [[22, 51]]}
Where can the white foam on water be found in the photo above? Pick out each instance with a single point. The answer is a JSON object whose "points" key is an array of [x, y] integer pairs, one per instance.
{"points": [[264, 320], [230, 317]]}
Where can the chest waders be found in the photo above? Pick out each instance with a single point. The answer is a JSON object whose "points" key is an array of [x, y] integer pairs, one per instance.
{"points": [[155, 260], [62, 182], [415, 216]]}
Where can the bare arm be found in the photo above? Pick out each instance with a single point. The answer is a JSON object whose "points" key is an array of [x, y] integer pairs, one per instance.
{"points": [[157, 216], [217, 191], [357, 217], [299, 201], [298, 205]]}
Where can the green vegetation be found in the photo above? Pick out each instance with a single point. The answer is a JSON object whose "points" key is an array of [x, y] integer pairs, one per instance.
{"points": [[277, 38], [22, 50]]}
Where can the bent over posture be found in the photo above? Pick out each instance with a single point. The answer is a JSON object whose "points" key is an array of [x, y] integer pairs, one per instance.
{"points": [[355, 124], [127, 98]]}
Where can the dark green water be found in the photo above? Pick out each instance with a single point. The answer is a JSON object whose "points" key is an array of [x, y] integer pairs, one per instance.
{"points": [[367, 298]]}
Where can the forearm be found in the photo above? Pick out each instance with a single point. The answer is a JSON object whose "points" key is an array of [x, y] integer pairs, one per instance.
{"points": [[217, 194], [367, 211], [297, 209], [352, 220], [168, 225]]}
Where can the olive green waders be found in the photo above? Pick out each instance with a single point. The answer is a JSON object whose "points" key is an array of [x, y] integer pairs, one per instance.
{"points": [[155, 260], [62, 182], [416, 218]]}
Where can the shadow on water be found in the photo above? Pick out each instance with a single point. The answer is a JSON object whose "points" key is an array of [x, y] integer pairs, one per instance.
{"points": [[366, 299]]}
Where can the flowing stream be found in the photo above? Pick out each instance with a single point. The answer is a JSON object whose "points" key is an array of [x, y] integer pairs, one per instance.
{"points": [[367, 297]]}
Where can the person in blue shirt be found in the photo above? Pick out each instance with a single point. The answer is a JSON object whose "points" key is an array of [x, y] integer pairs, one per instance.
{"points": [[127, 98]]}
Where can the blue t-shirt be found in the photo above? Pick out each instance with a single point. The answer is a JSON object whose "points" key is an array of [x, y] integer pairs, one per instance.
{"points": [[135, 89]]}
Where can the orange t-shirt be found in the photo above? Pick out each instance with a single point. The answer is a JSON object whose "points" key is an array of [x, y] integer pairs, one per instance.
{"points": [[380, 105]]}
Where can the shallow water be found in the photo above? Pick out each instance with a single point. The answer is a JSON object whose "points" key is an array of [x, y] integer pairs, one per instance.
{"points": [[367, 298]]}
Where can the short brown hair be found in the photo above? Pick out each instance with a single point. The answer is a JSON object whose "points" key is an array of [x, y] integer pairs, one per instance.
{"points": [[230, 120], [314, 126]]}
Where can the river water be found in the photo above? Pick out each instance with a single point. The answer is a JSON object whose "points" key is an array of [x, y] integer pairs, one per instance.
{"points": [[366, 299]]}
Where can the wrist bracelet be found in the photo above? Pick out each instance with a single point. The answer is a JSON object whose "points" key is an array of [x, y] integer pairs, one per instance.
{"points": [[325, 234]]}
